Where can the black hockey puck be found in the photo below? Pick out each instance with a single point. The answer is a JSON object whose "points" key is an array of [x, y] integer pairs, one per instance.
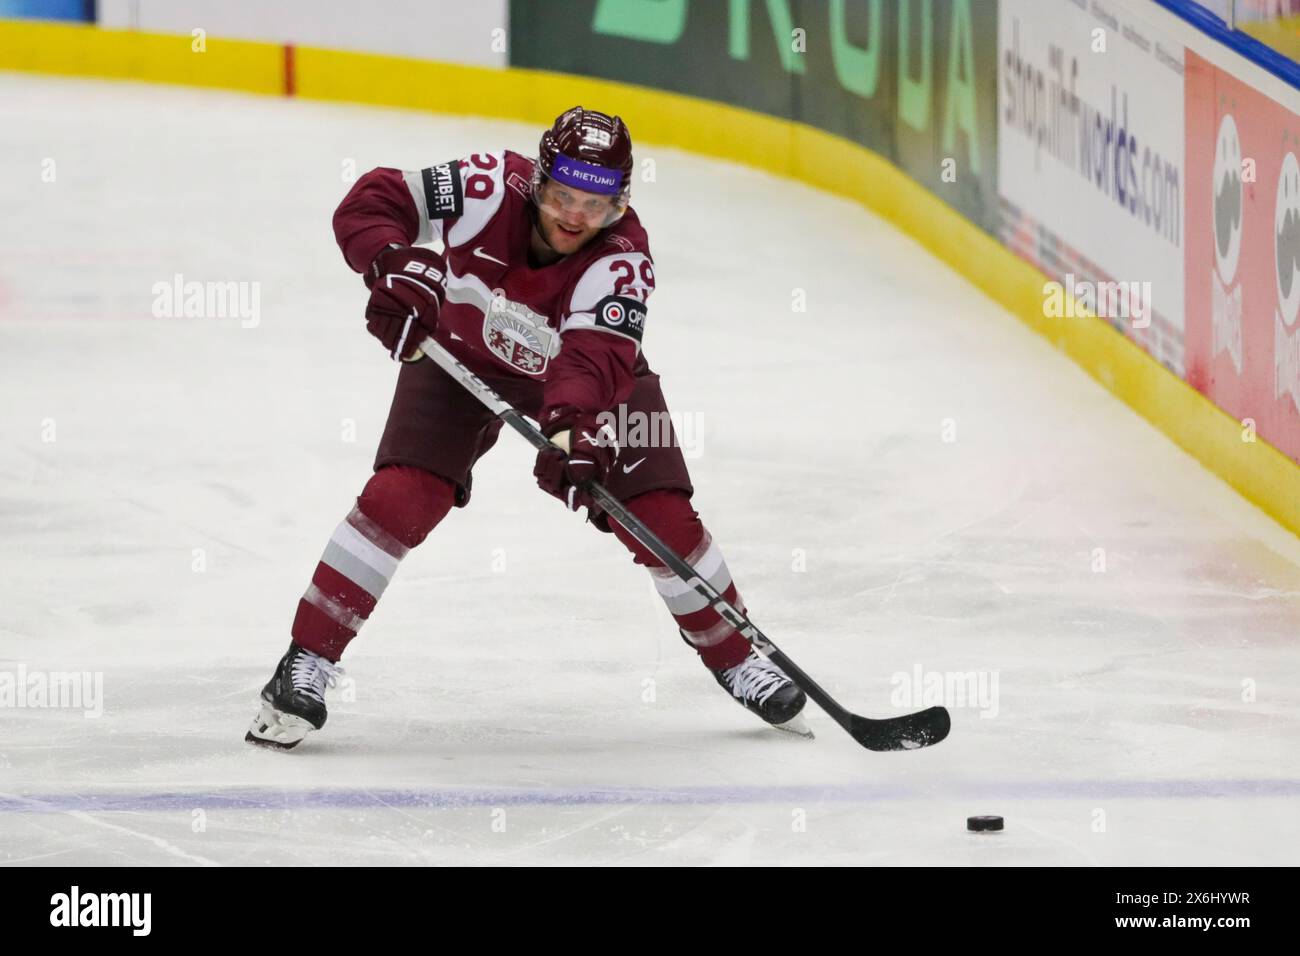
{"points": [[983, 824]]}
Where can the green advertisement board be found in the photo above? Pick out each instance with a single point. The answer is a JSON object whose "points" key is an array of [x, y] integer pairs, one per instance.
{"points": [[913, 80]]}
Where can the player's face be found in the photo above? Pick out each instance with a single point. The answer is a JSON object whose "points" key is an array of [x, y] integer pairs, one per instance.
{"points": [[568, 218]]}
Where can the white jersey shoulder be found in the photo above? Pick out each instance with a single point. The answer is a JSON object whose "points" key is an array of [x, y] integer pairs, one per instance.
{"points": [[611, 295], [456, 200]]}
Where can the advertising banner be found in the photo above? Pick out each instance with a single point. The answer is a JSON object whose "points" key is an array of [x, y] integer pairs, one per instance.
{"points": [[49, 9], [1091, 157], [912, 80], [1243, 253]]}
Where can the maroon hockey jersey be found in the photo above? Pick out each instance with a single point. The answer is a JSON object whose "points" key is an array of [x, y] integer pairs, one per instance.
{"points": [[574, 324]]}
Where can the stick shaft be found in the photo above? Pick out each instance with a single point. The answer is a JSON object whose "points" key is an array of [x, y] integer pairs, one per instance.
{"points": [[648, 539]]}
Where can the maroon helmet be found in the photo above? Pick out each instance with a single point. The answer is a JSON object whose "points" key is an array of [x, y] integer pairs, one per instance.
{"points": [[587, 150]]}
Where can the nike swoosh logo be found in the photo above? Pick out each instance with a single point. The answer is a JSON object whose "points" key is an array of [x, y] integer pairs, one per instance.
{"points": [[627, 469], [478, 251]]}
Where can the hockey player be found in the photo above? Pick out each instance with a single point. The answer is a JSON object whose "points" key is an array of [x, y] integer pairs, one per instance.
{"points": [[541, 289]]}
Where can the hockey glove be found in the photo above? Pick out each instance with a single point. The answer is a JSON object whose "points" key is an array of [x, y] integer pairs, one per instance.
{"points": [[407, 289], [586, 454]]}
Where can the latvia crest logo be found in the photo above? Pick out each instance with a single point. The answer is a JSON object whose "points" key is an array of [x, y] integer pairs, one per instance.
{"points": [[517, 341]]}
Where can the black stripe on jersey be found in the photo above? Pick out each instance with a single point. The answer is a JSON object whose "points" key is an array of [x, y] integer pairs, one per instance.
{"points": [[620, 314], [443, 194]]}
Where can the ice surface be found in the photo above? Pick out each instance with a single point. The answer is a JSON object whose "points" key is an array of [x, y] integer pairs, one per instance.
{"points": [[545, 711]]}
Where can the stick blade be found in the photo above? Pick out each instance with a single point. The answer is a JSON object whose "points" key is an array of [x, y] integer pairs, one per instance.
{"points": [[925, 728]]}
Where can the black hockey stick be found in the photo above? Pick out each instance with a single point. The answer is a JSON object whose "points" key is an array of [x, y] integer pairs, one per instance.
{"points": [[908, 732]]}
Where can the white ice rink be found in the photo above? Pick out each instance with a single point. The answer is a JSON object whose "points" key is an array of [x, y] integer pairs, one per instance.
{"points": [[520, 695]]}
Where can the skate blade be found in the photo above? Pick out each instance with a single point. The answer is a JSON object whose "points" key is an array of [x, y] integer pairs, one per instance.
{"points": [[276, 730], [796, 725]]}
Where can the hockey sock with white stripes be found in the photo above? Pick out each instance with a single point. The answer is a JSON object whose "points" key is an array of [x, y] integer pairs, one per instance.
{"points": [[398, 508], [668, 513]]}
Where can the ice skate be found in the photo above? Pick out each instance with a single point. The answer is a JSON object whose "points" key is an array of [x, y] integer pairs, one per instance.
{"points": [[760, 686], [293, 701]]}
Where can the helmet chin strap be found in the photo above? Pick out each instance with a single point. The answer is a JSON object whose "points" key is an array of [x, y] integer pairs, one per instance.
{"points": [[541, 236], [535, 215]]}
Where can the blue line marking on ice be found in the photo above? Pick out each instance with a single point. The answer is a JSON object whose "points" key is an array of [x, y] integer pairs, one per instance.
{"points": [[454, 797]]}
